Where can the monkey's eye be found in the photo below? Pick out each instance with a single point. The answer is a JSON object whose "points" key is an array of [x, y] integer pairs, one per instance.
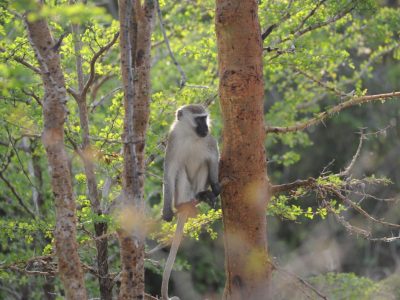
{"points": [[201, 119]]}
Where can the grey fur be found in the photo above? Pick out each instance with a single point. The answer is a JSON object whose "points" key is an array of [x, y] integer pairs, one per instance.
{"points": [[191, 162]]}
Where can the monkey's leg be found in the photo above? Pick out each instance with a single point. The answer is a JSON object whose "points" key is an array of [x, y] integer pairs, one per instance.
{"points": [[176, 241]]}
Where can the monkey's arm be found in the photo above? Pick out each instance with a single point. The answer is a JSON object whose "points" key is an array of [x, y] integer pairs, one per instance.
{"points": [[170, 172], [210, 197], [213, 167]]}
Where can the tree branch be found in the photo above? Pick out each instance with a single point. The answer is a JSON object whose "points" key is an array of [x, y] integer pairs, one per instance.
{"points": [[99, 102], [346, 171], [171, 54], [93, 63], [33, 95], [325, 188], [359, 209], [323, 115], [322, 24], [14, 192], [309, 15], [320, 83], [270, 28], [99, 84], [280, 188], [22, 61], [331, 20], [299, 279]]}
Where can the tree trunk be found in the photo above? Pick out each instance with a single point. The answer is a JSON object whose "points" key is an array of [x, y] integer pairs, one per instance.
{"points": [[54, 113], [87, 156], [35, 172], [243, 159], [135, 43]]}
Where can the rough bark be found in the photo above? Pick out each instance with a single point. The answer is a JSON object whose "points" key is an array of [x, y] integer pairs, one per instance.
{"points": [[135, 38], [243, 158], [87, 156], [54, 113]]}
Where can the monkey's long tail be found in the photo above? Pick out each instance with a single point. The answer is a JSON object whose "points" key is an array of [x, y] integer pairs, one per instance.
{"points": [[176, 241]]}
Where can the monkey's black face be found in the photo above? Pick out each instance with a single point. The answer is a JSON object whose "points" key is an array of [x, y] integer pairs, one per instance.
{"points": [[201, 126]]}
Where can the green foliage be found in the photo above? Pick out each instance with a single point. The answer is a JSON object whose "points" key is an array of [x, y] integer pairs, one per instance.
{"points": [[294, 77], [282, 206], [33, 236], [193, 227], [305, 73], [347, 286]]}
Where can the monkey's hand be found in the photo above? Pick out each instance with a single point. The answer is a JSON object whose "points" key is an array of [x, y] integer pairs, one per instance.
{"points": [[167, 214], [207, 197], [216, 188]]}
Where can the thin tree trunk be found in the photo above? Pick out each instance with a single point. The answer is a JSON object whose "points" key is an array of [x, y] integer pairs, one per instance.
{"points": [[87, 156], [243, 158], [35, 172], [31, 170], [49, 288], [54, 113], [38, 177], [135, 37]]}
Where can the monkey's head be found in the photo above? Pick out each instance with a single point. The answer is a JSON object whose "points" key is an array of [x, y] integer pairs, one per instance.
{"points": [[196, 116]]}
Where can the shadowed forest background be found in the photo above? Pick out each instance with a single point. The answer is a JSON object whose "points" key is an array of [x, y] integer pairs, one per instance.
{"points": [[331, 82]]}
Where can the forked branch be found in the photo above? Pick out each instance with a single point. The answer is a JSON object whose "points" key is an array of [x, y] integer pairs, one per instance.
{"points": [[93, 63]]}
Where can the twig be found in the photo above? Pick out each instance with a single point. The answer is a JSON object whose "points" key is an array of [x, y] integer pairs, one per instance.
{"points": [[210, 100], [33, 95], [299, 279], [10, 291], [318, 25], [6, 162], [26, 64], [386, 239], [171, 54], [22, 61], [19, 159], [323, 115], [270, 28], [98, 103], [327, 22], [320, 83], [346, 171], [30, 272], [155, 249], [350, 228], [371, 60], [359, 209], [93, 62], [14, 192], [99, 84], [275, 189], [310, 14]]}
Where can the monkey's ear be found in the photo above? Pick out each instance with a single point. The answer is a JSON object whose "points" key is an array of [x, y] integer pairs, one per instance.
{"points": [[179, 114]]}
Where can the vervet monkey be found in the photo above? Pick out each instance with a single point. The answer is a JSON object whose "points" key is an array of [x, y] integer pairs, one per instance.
{"points": [[190, 166]]}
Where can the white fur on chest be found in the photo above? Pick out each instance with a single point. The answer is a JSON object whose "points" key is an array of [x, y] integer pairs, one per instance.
{"points": [[193, 153]]}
